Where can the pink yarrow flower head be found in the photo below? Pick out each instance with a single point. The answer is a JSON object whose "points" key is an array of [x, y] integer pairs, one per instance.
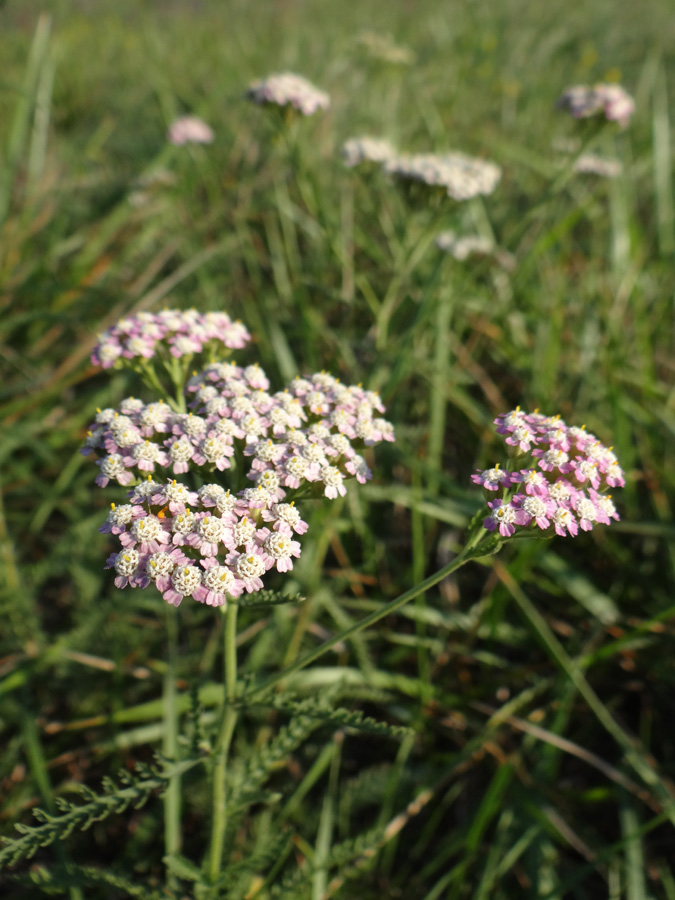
{"points": [[211, 502], [173, 333], [564, 487], [189, 130], [288, 89], [609, 100]]}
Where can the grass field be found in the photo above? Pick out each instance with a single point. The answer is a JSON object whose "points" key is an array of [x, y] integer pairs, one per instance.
{"points": [[535, 686]]}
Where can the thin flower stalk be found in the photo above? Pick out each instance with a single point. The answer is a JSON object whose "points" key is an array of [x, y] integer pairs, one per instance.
{"points": [[172, 796], [481, 545], [222, 748]]}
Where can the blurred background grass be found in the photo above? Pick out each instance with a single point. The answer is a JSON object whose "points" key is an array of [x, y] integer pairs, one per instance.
{"points": [[336, 269]]}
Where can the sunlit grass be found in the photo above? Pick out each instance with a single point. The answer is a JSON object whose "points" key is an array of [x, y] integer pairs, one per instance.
{"points": [[540, 687]]}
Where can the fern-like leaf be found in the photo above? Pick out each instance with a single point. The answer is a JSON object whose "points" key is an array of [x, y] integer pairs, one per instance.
{"points": [[343, 718], [60, 878], [271, 756], [129, 790], [267, 598], [235, 881]]}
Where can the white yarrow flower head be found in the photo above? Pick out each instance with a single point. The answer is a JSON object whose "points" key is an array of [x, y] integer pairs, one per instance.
{"points": [[462, 176], [288, 89], [462, 246], [189, 130], [360, 150], [592, 164]]}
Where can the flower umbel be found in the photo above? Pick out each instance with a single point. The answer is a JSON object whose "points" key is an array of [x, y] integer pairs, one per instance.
{"points": [[462, 176], [189, 130], [173, 332], [608, 100], [360, 150], [557, 480], [252, 451], [288, 89]]}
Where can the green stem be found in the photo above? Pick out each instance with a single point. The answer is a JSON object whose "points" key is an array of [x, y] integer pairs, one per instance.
{"points": [[21, 616], [172, 798], [418, 566], [486, 547], [437, 400], [559, 181], [229, 720], [177, 369], [394, 296]]}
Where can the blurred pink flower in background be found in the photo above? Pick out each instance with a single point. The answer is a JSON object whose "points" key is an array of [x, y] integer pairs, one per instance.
{"points": [[189, 130], [286, 89], [610, 100]]}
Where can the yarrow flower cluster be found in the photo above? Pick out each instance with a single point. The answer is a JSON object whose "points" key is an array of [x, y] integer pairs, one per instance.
{"points": [[586, 163], [176, 332], [562, 484], [360, 150], [592, 164], [213, 542], [462, 176], [287, 89], [189, 130], [461, 247], [609, 100]]}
